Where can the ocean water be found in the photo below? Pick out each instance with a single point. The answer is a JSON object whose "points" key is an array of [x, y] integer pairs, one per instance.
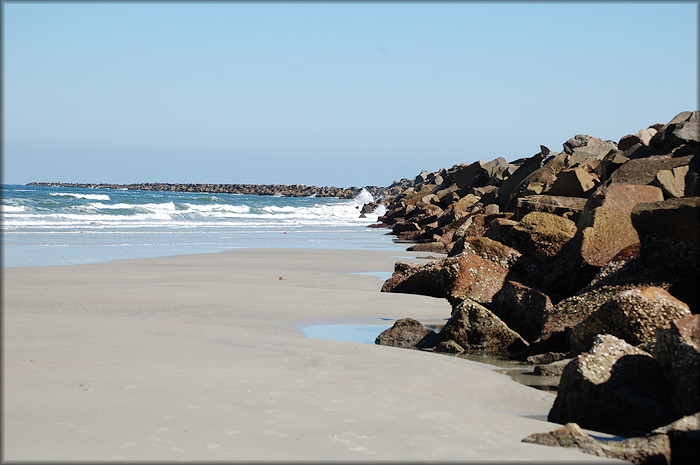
{"points": [[56, 226]]}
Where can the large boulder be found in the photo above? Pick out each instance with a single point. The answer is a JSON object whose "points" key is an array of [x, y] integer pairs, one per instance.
{"points": [[683, 129], [477, 174], [605, 224], [593, 148], [510, 187], [669, 232], [475, 225], [579, 140], [672, 181], [408, 333], [643, 170], [477, 329], [668, 229], [610, 163], [632, 314], [575, 182], [678, 351], [615, 388], [477, 273], [604, 230], [538, 235], [642, 137], [574, 309], [522, 308]]}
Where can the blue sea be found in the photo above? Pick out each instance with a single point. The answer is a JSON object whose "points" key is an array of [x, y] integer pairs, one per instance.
{"points": [[58, 226]]}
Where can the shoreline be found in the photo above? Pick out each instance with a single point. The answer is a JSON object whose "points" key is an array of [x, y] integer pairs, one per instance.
{"points": [[199, 357]]}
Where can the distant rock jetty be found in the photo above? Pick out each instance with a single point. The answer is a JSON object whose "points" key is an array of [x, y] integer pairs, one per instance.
{"points": [[294, 190], [584, 264]]}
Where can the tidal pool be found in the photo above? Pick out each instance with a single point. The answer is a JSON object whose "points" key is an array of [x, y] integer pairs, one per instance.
{"points": [[366, 333]]}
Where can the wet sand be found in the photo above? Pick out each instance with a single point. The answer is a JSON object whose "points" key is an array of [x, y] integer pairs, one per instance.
{"points": [[202, 358]]}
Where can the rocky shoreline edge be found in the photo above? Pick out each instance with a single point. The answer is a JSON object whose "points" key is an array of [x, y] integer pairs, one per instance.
{"points": [[283, 190], [583, 263]]}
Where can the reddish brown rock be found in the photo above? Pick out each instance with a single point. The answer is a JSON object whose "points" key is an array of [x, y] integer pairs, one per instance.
{"points": [[605, 224], [576, 182], [477, 273]]}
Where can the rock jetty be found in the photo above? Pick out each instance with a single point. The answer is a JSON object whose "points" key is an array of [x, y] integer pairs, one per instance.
{"points": [[584, 261], [294, 190]]}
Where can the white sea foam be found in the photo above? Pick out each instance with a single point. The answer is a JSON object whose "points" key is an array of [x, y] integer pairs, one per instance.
{"points": [[362, 198], [218, 208], [168, 206], [289, 213], [11, 209], [82, 196]]}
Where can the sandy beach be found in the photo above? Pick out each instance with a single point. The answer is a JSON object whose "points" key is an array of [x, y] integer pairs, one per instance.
{"points": [[202, 358]]}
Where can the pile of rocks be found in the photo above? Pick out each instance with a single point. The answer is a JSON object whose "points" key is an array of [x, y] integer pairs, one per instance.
{"points": [[585, 258], [284, 190]]}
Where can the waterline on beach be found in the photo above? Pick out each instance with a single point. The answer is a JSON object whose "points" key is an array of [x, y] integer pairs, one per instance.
{"points": [[45, 226], [366, 333], [362, 333]]}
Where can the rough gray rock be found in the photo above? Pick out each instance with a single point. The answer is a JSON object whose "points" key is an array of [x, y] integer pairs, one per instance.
{"points": [[643, 171], [685, 439], [545, 358], [477, 329], [436, 247], [567, 207], [669, 232], [614, 388], [522, 308], [538, 235], [630, 314], [409, 334], [552, 369]]}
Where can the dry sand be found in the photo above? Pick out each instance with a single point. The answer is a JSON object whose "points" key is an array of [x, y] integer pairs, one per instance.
{"points": [[201, 358]]}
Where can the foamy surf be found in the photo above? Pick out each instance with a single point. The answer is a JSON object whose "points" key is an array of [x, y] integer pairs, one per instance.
{"points": [[82, 196], [97, 224]]}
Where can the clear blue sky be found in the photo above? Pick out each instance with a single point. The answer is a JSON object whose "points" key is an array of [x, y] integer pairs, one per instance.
{"points": [[347, 94]]}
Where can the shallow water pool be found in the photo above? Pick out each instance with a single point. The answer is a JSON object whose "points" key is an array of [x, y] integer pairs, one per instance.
{"points": [[366, 333]]}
